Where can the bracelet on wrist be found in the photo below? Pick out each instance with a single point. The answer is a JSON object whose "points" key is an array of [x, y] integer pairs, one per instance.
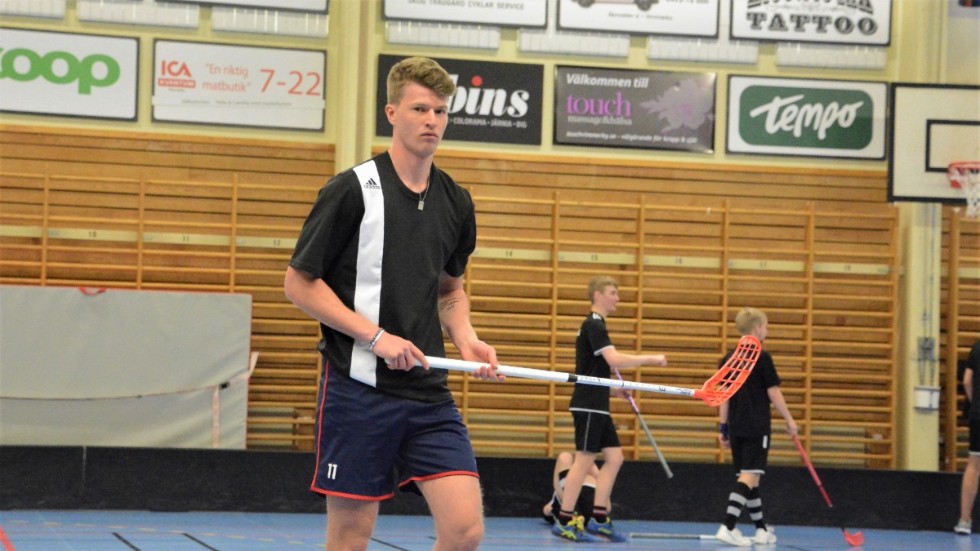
{"points": [[723, 429], [375, 339]]}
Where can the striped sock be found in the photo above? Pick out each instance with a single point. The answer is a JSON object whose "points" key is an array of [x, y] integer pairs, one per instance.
{"points": [[564, 517], [754, 505], [600, 514], [736, 502]]}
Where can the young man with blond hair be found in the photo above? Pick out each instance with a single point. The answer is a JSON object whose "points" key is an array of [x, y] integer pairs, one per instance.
{"points": [[379, 263], [595, 431]]}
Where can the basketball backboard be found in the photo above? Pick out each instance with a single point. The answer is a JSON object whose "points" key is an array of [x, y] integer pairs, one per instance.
{"points": [[930, 126]]}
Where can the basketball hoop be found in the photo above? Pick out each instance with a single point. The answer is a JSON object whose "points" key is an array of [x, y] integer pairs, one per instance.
{"points": [[966, 176]]}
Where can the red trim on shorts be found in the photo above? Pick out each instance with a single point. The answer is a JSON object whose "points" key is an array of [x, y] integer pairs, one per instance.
{"points": [[352, 496], [435, 476], [319, 433], [313, 487]]}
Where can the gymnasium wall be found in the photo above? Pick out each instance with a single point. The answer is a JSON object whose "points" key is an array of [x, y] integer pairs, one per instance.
{"points": [[115, 212]]}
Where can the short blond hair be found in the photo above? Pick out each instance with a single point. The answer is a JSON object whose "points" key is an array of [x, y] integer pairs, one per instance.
{"points": [[422, 71], [599, 283], [748, 319]]}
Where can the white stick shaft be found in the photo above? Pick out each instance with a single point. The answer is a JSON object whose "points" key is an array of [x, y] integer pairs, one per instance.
{"points": [[667, 536], [555, 376]]}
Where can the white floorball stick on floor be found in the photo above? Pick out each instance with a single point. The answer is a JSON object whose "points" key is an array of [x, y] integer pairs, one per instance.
{"points": [[646, 429], [715, 391], [669, 536]]}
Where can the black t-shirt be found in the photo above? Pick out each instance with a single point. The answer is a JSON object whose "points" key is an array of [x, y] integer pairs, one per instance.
{"points": [[591, 340], [749, 415], [372, 245]]}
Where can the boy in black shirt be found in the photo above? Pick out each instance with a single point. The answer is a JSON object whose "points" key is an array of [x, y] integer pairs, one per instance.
{"points": [[595, 432], [968, 488], [746, 427]]}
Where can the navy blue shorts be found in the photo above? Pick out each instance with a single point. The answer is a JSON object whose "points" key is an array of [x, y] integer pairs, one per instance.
{"points": [[370, 443], [750, 454], [594, 431]]}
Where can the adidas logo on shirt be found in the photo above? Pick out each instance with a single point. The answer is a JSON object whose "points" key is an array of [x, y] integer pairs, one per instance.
{"points": [[371, 184]]}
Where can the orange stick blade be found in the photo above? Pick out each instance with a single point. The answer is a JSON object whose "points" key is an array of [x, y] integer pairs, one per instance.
{"points": [[730, 377]]}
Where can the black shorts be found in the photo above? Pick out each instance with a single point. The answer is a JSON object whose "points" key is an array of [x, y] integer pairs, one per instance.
{"points": [[750, 454], [974, 437], [594, 431]]}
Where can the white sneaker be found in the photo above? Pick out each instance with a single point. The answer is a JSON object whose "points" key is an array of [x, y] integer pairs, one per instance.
{"points": [[963, 528], [764, 536], [732, 537]]}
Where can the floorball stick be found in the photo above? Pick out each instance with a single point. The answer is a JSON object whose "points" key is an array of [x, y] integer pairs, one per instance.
{"points": [[715, 391], [646, 429], [667, 536], [857, 538]]}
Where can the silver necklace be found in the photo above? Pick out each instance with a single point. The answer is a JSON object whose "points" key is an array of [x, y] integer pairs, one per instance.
{"points": [[423, 195]]}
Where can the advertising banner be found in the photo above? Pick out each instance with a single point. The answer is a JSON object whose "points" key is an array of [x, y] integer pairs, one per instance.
{"points": [[77, 75], [799, 117], [202, 83], [865, 22], [506, 13], [303, 5], [646, 17], [641, 109], [493, 103]]}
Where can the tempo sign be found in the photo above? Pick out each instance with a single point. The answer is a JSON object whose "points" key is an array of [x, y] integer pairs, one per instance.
{"points": [[812, 118], [68, 74]]}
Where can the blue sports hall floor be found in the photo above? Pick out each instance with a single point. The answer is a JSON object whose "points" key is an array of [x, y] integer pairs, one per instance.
{"points": [[84, 530]]}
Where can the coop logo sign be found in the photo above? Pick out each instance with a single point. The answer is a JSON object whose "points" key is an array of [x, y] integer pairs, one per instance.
{"points": [[806, 117], [57, 67], [838, 21], [68, 74]]}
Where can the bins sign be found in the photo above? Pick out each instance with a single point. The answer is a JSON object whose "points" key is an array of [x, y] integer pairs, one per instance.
{"points": [[68, 74]]}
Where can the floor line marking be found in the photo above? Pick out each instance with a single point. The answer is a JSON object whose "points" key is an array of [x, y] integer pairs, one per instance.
{"points": [[125, 541], [201, 543], [391, 545]]}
